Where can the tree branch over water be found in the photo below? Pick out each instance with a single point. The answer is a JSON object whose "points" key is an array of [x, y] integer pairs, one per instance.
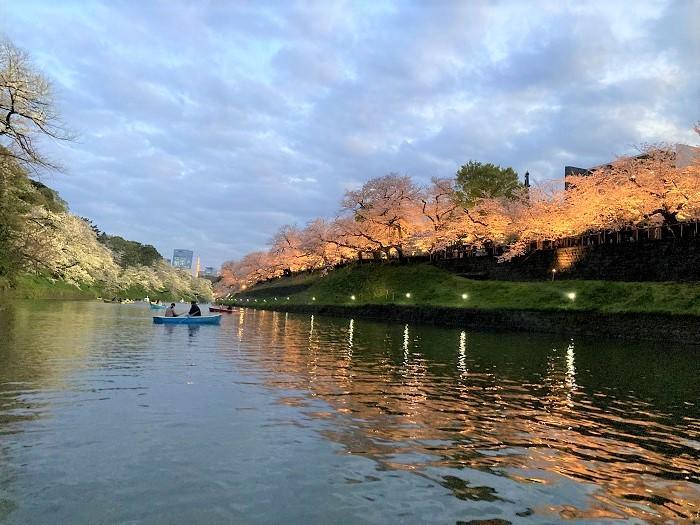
{"points": [[27, 109]]}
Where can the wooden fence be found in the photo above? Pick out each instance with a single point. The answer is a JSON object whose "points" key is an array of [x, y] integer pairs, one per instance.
{"points": [[681, 232]]}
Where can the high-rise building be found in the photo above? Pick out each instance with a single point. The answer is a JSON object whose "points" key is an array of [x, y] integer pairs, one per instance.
{"points": [[183, 259]]}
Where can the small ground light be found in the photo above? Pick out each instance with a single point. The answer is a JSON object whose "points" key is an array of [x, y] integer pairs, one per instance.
{"points": [[352, 297], [408, 295], [287, 298], [313, 298], [571, 295], [465, 296]]}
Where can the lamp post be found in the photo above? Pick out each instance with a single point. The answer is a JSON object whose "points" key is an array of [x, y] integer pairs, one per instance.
{"points": [[554, 272]]}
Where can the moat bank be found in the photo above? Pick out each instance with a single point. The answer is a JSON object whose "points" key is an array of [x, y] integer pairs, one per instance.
{"points": [[36, 287], [683, 329], [422, 293]]}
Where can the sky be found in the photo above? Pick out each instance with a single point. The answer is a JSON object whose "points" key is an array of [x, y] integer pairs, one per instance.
{"points": [[207, 125]]}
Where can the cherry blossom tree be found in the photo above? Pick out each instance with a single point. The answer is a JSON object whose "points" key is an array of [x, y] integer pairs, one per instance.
{"points": [[64, 247], [27, 108], [391, 214], [289, 251], [634, 191], [319, 240], [439, 210], [384, 214]]}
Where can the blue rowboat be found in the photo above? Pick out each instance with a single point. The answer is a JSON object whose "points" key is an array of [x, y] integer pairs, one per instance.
{"points": [[186, 319], [157, 306]]}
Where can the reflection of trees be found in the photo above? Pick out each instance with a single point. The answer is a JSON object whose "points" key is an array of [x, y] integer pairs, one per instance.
{"points": [[517, 406], [35, 346], [34, 341], [55, 355], [44, 342]]}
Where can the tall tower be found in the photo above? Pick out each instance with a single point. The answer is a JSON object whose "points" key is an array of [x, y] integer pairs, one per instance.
{"points": [[196, 268]]}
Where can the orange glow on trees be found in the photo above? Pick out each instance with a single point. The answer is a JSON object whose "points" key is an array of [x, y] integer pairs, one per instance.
{"points": [[391, 216], [383, 215]]}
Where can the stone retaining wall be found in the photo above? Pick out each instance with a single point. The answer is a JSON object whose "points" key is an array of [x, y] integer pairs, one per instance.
{"points": [[680, 329], [658, 260]]}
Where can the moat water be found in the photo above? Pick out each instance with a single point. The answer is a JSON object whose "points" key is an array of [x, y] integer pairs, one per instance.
{"points": [[289, 418]]}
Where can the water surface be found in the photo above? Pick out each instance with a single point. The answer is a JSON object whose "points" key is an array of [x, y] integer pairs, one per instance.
{"points": [[287, 418]]}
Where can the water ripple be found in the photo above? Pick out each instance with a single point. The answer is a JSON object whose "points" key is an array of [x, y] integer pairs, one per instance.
{"points": [[373, 422]]}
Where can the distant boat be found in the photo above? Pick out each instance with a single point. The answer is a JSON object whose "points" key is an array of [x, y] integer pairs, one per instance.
{"points": [[220, 309], [186, 319], [155, 306]]}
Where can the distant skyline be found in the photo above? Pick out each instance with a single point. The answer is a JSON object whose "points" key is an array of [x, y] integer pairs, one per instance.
{"points": [[209, 125], [182, 258]]}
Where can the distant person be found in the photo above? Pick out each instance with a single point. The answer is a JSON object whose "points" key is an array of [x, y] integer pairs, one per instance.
{"points": [[194, 310], [170, 311], [230, 308]]}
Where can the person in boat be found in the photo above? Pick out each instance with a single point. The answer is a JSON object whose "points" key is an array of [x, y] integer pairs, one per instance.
{"points": [[170, 311], [194, 310]]}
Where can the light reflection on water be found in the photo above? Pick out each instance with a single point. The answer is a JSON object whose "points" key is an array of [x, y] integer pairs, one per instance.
{"points": [[274, 417]]}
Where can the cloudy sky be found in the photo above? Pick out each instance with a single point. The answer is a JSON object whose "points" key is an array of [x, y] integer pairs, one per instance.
{"points": [[207, 125]]}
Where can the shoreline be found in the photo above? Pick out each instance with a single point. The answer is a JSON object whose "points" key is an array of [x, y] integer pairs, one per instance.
{"points": [[35, 287], [658, 327]]}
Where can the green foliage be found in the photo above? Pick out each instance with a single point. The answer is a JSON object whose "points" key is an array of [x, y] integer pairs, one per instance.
{"points": [[92, 226], [40, 287], [18, 195], [129, 253], [42, 195], [47, 252], [43, 248], [432, 286], [14, 188], [476, 180]]}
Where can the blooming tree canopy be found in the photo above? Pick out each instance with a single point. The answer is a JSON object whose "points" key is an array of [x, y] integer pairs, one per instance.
{"points": [[393, 216]]}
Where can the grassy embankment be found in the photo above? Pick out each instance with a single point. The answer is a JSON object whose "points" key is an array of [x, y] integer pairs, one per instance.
{"points": [[430, 286], [38, 287]]}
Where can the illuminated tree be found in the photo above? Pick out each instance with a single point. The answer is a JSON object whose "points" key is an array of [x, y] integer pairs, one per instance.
{"points": [[384, 214], [320, 241], [391, 215], [439, 210], [642, 190], [289, 251], [541, 214]]}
